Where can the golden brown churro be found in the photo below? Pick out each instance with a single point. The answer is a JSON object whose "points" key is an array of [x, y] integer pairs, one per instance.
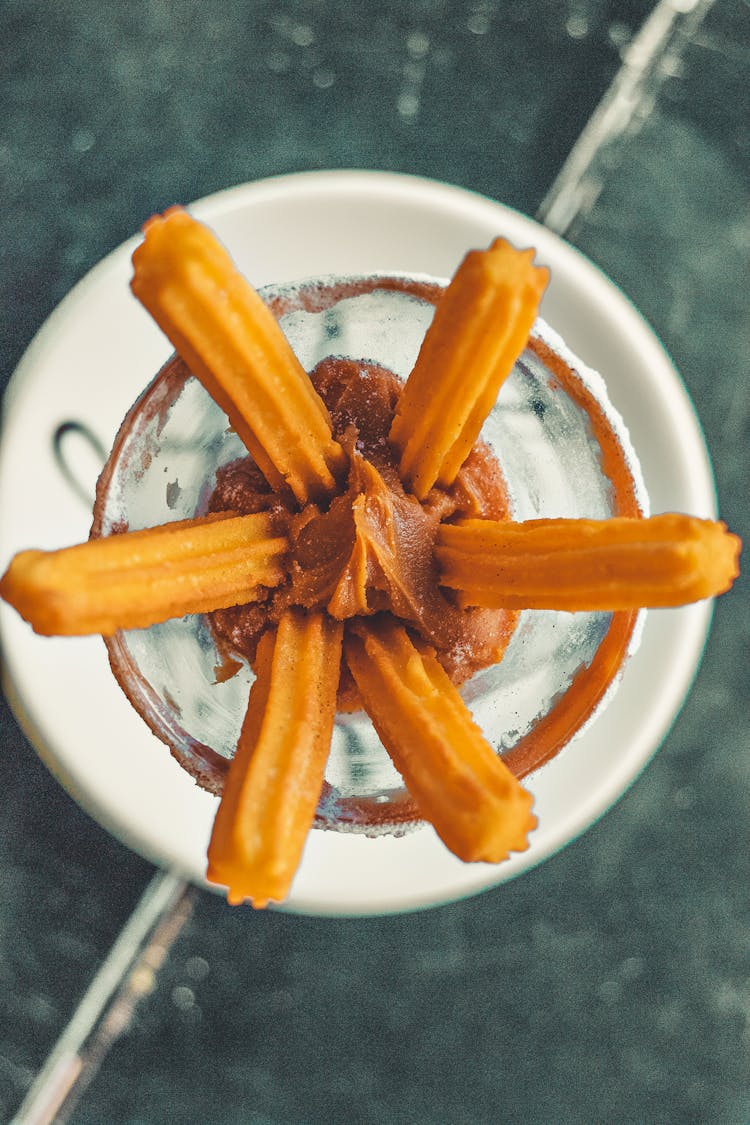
{"points": [[476, 805], [232, 343], [481, 326], [569, 564], [276, 775], [138, 578]]}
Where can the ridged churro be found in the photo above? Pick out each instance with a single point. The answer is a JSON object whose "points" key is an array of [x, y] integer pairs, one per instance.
{"points": [[276, 776], [231, 342], [139, 578], [579, 564], [476, 805], [479, 329]]}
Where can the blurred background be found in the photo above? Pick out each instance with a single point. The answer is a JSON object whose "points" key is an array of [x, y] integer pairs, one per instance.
{"points": [[610, 984]]}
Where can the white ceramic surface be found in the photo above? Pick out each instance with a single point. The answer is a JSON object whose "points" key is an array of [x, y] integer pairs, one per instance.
{"points": [[97, 352]]}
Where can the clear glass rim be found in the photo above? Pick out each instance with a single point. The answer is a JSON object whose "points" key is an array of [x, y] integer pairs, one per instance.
{"points": [[569, 715]]}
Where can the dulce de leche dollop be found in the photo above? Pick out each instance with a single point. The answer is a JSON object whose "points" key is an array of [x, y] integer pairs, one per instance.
{"points": [[372, 548]]}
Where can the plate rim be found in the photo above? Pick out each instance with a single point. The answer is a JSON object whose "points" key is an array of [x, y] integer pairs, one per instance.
{"points": [[695, 620]]}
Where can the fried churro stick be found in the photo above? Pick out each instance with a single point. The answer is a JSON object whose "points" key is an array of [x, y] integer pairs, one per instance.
{"points": [[233, 344], [480, 327], [578, 564], [136, 579], [276, 775], [476, 805]]}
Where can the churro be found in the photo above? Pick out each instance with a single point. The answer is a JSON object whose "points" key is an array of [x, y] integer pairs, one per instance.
{"points": [[579, 564], [276, 775], [139, 578], [476, 805], [480, 327], [231, 342]]}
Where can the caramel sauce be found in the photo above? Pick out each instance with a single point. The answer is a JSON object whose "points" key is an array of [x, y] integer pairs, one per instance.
{"points": [[371, 549]]}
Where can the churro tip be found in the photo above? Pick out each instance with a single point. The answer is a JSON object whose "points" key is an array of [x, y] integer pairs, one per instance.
{"points": [[538, 277], [502, 244], [155, 228], [160, 217], [235, 896], [236, 890]]}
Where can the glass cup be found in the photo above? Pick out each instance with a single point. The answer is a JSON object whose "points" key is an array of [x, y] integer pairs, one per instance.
{"points": [[563, 450]]}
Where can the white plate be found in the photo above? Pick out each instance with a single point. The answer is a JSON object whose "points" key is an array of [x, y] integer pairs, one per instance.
{"points": [[94, 356]]}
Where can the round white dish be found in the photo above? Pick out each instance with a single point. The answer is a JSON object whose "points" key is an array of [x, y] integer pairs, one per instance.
{"points": [[97, 352]]}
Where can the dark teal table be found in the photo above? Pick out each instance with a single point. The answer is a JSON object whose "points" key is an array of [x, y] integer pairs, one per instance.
{"points": [[611, 984]]}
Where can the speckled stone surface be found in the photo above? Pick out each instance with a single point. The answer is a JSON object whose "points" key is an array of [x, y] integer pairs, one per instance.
{"points": [[611, 984]]}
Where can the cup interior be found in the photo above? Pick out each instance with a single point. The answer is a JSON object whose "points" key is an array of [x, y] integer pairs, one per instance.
{"points": [[563, 451]]}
